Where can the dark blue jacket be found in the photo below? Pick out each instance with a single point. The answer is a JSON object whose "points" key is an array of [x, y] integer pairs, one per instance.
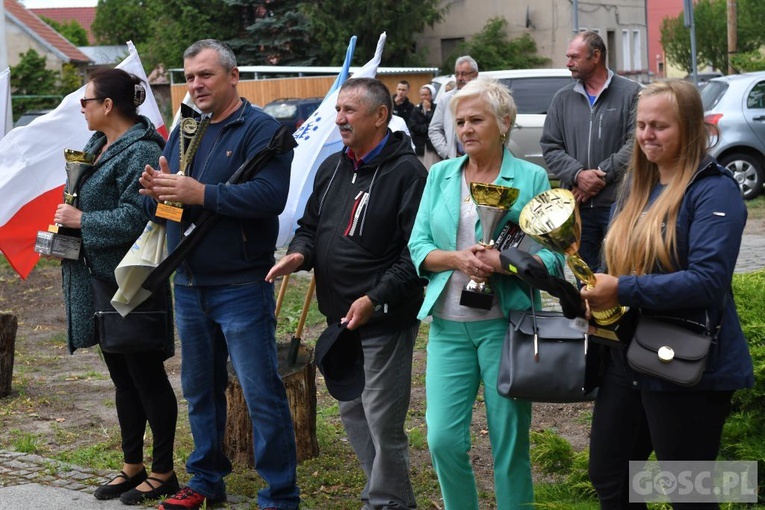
{"points": [[709, 229], [240, 248]]}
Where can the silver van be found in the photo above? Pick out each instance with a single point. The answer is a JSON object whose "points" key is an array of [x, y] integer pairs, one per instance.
{"points": [[533, 90]]}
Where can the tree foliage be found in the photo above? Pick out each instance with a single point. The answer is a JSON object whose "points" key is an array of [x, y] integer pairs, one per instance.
{"points": [[71, 30], [119, 21], [333, 22], [163, 29], [275, 32], [493, 50], [30, 78], [710, 20]]}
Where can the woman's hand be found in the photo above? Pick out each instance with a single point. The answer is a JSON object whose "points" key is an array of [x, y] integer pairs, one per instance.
{"points": [[474, 262], [68, 216], [604, 295]]}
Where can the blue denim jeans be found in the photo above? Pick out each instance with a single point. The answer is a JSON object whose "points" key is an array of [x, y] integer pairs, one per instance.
{"points": [[595, 222], [374, 422], [238, 321]]}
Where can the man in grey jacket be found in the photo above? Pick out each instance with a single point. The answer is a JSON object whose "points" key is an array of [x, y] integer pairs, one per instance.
{"points": [[588, 136], [441, 130]]}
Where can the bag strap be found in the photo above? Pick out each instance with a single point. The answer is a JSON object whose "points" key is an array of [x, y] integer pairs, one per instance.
{"points": [[536, 327]]}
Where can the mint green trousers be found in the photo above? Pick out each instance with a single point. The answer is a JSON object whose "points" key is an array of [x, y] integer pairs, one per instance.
{"points": [[461, 355]]}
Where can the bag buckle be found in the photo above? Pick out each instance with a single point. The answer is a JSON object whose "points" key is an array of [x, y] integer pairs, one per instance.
{"points": [[666, 353]]}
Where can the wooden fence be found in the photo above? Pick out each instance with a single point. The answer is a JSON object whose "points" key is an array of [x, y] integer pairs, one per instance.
{"points": [[262, 92]]}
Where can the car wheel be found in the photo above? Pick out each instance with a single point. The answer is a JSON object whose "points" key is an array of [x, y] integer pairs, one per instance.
{"points": [[747, 171]]}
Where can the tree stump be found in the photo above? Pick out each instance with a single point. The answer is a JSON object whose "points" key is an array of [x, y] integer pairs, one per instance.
{"points": [[300, 383], [8, 327]]}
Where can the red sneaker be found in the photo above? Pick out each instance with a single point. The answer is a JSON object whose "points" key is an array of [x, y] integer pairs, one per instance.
{"points": [[188, 499]]}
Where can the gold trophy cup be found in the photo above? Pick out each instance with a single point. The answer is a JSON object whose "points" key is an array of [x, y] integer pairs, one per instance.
{"points": [[492, 203], [58, 241], [552, 218], [191, 132]]}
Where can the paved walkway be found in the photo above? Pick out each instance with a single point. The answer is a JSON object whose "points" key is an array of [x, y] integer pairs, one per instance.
{"points": [[31, 481]]}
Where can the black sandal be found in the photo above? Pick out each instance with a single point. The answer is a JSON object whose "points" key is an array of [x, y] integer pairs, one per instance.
{"points": [[163, 488], [111, 491]]}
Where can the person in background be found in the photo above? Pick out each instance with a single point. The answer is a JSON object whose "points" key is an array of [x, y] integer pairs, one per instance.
{"points": [[441, 130], [419, 122], [464, 343], [450, 85], [587, 137], [402, 107], [223, 306], [670, 250], [111, 218], [353, 233]]}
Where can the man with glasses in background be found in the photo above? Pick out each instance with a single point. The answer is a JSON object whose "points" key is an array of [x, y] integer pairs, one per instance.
{"points": [[441, 129]]}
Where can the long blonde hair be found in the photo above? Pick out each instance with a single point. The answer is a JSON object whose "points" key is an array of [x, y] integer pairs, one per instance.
{"points": [[642, 238]]}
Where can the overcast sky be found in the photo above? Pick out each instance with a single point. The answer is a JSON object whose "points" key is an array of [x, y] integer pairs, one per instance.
{"points": [[35, 4]]}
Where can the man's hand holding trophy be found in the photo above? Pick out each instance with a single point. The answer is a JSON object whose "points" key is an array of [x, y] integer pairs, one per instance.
{"points": [[60, 241], [191, 133]]}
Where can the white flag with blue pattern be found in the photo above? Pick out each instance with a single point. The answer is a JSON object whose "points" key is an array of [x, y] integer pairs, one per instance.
{"points": [[317, 138]]}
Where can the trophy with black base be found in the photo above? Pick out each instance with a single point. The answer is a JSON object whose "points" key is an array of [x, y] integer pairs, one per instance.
{"points": [[492, 203], [552, 219], [59, 241], [191, 132]]}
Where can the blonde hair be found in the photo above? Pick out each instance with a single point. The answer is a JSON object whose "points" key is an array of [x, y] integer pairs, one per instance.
{"points": [[496, 96], [642, 238]]}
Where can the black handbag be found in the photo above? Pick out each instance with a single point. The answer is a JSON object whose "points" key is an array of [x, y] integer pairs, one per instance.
{"points": [[143, 329], [670, 351], [544, 359]]}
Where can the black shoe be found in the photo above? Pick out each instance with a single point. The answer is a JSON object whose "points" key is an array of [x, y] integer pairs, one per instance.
{"points": [[113, 491], [163, 488]]}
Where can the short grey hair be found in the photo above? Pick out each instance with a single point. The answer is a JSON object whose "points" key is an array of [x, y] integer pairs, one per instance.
{"points": [[495, 95], [226, 56], [376, 94], [466, 59]]}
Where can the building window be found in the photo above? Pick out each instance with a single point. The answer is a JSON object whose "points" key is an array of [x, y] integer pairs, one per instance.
{"points": [[449, 46], [626, 60], [637, 51]]}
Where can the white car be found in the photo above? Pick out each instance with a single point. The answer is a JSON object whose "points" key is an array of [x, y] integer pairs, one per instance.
{"points": [[533, 90]]}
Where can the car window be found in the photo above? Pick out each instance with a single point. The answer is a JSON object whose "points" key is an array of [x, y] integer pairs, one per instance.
{"points": [[281, 110], [534, 95], [711, 94], [756, 98]]}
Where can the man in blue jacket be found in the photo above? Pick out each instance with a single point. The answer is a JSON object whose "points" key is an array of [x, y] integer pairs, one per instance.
{"points": [[354, 234], [588, 135], [223, 305]]}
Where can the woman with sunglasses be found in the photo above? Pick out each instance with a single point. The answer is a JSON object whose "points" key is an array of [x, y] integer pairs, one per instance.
{"points": [[110, 217]]}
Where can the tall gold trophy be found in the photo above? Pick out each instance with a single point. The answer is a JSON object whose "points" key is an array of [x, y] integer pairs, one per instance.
{"points": [[492, 203], [58, 241], [552, 218], [191, 132]]}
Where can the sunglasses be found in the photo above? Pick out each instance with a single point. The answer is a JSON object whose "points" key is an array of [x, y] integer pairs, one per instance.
{"points": [[84, 100]]}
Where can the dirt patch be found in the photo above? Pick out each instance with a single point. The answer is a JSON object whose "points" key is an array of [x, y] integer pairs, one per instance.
{"points": [[57, 395]]}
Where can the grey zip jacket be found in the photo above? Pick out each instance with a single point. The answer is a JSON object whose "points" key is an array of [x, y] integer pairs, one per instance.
{"points": [[578, 136]]}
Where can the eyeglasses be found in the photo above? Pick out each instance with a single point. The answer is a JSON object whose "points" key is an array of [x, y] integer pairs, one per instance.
{"points": [[465, 74], [84, 100]]}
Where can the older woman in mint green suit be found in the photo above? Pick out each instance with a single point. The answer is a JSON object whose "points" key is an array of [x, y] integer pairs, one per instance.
{"points": [[465, 343]]}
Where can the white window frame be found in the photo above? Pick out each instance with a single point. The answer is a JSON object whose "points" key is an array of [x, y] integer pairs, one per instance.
{"points": [[637, 51], [626, 55]]}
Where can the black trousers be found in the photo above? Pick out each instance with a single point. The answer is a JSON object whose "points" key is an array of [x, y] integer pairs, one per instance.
{"points": [[628, 424], [143, 393]]}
